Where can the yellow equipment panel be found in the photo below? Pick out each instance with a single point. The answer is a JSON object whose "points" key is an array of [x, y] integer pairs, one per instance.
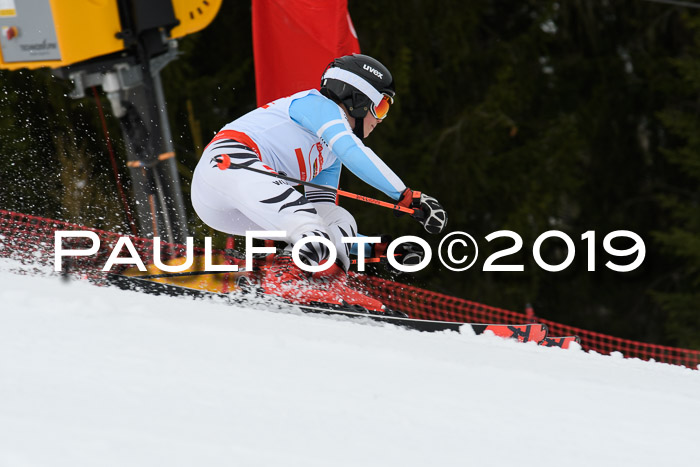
{"points": [[194, 15], [57, 33]]}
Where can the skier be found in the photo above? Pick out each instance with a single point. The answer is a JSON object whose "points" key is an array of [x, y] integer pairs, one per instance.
{"points": [[308, 136]]}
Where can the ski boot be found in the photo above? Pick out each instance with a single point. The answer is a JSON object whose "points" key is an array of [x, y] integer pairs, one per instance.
{"points": [[336, 279], [286, 280], [325, 289]]}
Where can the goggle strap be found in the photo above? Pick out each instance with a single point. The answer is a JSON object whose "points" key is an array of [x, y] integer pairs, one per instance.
{"points": [[356, 81]]}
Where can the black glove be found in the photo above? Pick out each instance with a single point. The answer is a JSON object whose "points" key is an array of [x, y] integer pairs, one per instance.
{"points": [[407, 254], [429, 212]]}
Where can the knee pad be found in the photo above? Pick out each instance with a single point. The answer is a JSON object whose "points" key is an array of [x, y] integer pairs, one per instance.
{"points": [[314, 253]]}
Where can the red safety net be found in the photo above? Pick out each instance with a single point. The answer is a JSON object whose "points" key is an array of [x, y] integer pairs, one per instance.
{"points": [[31, 240], [424, 304]]}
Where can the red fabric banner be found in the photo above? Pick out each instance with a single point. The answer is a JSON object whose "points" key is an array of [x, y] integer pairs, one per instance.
{"points": [[294, 41]]}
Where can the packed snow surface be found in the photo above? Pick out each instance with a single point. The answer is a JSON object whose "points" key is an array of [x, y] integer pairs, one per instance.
{"points": [[96, 376]]}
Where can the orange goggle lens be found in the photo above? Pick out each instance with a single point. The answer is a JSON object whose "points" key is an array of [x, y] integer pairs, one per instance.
{"points": [[380, 111]]}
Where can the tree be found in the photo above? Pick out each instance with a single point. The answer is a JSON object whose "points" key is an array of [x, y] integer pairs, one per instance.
{"points": [[679, 290]]}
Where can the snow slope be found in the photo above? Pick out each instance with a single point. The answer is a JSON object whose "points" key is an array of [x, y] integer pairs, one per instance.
{"points": [[95, 376]]}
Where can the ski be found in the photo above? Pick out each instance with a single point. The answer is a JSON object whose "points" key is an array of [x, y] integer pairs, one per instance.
{"points": [[521, 332], [564, 342]]}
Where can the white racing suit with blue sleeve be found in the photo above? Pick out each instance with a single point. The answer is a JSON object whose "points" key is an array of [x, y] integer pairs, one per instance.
{"points": [[305, 136]]}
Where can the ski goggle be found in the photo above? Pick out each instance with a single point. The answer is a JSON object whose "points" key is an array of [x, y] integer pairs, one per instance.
{"points": [[379, 111]]}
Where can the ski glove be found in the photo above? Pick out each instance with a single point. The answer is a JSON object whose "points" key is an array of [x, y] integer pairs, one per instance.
{"points": [[431, 215], [407, 254]]}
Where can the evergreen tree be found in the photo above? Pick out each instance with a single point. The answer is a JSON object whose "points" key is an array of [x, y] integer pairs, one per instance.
{"points": [[679, 290]]}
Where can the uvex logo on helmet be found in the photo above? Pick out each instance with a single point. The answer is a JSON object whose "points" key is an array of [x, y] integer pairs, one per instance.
{"points": [[372, 70]]}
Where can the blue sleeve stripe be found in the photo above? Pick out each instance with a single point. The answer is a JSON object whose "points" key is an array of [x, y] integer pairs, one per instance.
{"points": [[336, 137], [364, 163], [320, 131]]}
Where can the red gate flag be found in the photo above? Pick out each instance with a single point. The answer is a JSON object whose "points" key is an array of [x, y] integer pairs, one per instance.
{"points": [[294, 41]]}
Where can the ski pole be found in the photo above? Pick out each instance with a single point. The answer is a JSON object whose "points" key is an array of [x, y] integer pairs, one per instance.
{"points": [[368, 260], [337, 191]]}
